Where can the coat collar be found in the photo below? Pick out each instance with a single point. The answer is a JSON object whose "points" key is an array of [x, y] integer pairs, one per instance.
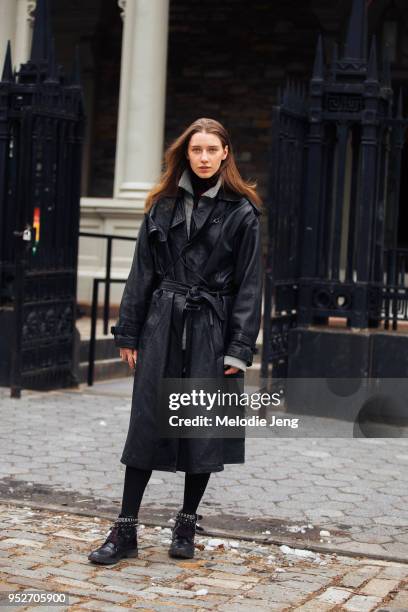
{"points": [[185, 183], [171, 212], [224, 192], [204, 206]]}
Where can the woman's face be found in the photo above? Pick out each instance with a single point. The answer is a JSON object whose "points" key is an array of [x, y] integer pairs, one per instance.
{"points": [[205, 154]]}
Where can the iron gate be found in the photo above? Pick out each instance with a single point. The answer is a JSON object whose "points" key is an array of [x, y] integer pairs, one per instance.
{"points": [[334, 201], [41, 133], [289, 129]]}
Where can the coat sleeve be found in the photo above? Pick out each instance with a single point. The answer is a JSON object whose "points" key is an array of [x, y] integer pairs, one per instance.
{"points": [[245, 318], [137, 293]]}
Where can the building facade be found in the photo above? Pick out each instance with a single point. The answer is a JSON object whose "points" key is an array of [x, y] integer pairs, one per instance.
{"points": [[150, 67]]}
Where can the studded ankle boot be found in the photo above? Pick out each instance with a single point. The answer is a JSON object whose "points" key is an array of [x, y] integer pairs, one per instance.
{"points": [[121, 542], [182, 545]]}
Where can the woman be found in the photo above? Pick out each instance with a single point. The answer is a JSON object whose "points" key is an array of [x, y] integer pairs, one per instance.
{"points": [[191, 308]]}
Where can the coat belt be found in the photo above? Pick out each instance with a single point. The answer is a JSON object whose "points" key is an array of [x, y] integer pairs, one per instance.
{"points": [[197, 295]]}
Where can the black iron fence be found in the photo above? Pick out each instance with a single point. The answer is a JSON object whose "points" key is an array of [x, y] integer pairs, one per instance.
{"points": [[289, 125], [395, 290], [107, 281], [334, 198], [42, 124]]}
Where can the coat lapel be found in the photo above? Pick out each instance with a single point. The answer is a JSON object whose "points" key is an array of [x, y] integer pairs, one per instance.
{"points": [[167, 214], [179, 214], [210, 210], [170, 214], [179, 218], [199, 217], [201, 214]]}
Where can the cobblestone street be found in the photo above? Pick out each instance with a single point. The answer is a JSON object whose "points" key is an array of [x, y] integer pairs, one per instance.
{"points": [[64, 447], [47, 551], [341, 502]]}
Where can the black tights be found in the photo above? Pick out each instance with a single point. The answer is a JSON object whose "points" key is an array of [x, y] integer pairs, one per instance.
{"points": [[136, 481]]}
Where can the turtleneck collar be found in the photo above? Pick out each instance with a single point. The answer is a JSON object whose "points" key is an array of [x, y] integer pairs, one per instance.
{"points": [[201, 185], [197, 186]]}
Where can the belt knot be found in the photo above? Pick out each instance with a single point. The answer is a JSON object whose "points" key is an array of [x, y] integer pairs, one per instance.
{"points": [[194, 292]]}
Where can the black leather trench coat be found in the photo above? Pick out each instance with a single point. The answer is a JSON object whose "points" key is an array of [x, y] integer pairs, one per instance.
{"points": [[213, 281]]}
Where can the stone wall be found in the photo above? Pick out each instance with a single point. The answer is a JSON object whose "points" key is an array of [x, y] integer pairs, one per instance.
{"points": [[226, 60]]}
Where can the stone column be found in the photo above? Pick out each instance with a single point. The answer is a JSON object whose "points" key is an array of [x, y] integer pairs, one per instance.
{"points": [[139, 146], [7, 27], [16, 25], [24, 31]]}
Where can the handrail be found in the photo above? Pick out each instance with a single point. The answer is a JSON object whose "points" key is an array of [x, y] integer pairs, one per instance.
{"points": [[95, 291]]}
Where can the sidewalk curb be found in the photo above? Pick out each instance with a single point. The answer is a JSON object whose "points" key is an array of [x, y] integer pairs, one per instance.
{"points": [[233, 535]]}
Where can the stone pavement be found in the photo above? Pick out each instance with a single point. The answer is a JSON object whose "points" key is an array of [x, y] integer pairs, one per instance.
{"points": [[46, 551], [64, 448]]}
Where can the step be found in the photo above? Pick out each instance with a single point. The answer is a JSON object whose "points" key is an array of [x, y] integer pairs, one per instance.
{"points": [[104, 349], [83, 324], [109, 365], [115, 368], [104, 369]]}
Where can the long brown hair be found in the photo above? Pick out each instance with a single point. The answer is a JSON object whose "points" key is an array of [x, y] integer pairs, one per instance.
{"points": [[175, 162]]}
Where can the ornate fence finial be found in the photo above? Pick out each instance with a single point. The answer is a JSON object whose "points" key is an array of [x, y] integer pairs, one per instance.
{"points": [[318, 67], [7, 76], [52, 72], [372, 69]]}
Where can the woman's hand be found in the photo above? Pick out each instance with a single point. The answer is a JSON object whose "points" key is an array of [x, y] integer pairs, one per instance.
{"points": [[231, 370], [129, 355]]}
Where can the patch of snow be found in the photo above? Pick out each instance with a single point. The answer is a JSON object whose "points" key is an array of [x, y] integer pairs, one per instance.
{"points": [[217, 542], [324, 533], [299, 552], [298, 528]]}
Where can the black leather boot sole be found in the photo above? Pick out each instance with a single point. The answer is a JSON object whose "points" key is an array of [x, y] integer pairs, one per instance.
{"points": [[105, 556], [180, 551]]}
